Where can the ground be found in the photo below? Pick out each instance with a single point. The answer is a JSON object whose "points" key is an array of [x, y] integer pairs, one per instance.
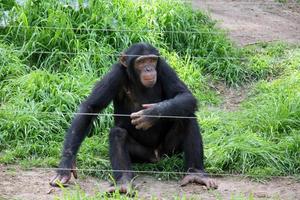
{"points": [[247, 22], [252, 21], [33, 184]]}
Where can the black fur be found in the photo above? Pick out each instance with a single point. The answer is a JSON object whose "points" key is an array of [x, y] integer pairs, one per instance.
{"points": [[127, 144]]}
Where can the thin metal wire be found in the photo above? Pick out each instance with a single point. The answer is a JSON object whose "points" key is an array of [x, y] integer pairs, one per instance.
{"points": [[96, 114], [113, 55], [142, 172], [244, 2], [117, 30], [251, 3], [113, 30], [222, 1]]}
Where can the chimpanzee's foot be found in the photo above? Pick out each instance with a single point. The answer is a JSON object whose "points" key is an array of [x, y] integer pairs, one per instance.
{"points": [[123, 186], [62, 178], [123, 189], [199, 178]]}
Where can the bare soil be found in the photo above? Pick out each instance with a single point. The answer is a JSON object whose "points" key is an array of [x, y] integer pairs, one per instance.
{"points": [[34, 184], [252, 21], [232, 97]]}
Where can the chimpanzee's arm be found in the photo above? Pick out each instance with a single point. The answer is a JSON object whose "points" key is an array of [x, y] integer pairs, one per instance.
{"points": [[179, 100], [102, 94]]}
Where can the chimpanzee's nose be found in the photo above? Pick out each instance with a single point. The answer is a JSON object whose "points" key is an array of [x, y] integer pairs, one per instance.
{"points": [[148, 69]]}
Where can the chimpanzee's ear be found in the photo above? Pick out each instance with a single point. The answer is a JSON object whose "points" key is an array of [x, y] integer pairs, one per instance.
{"points": [[123, 59]]}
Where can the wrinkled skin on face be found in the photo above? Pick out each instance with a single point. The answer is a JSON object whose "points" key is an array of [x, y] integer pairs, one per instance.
{"points": [[146, 69]]}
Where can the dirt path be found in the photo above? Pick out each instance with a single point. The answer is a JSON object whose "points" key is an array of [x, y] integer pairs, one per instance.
{"points": [[251, 21], [33, 184]]}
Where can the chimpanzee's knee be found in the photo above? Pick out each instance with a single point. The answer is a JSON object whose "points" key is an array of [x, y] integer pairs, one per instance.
{"points": [[117, 135]]}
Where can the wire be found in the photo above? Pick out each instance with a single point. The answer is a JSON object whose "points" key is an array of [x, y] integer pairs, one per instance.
{"points": [[98, 114], [144, 172], [205, 1], [245, 2], [114, 55], [113, 30]]}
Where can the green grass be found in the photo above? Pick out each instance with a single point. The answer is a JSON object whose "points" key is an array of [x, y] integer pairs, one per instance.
{"points": [[51, 55], [77, 193], [263, 136], [288, 1], [179, 29]]}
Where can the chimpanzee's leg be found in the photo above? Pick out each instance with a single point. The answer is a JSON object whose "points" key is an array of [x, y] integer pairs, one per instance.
{"points": [[119, 154], [193, 147], [122, 151], [185, 136]]}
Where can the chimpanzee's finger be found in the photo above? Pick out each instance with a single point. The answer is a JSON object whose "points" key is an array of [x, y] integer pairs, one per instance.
{"points": [[210, 185], [60, 180], [123, 189], [137, 121], [138, 127], [146, 126], [65, 179], [141, 125], [74, 171], [207, 182], [150, 105], [202, 181], [136, 114], [111, 189], [197, 179], [214, 184], [54, 180], [185, 181]]}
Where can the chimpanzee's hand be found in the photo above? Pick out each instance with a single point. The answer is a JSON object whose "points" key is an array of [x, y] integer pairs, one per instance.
{"points": [[63, 176], [141, 119]]}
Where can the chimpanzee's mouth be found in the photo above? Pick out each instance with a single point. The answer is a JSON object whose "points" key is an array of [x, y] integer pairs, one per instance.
{"points": [[150, 79]]}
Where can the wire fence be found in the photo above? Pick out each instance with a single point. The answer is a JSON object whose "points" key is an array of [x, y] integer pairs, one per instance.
{"points": [[115, 55], [133, 171], [96, 114], [117, 30], [270, 2], [128, 115], [113, 29], [249, 2], [55, 51], [149, 172]]}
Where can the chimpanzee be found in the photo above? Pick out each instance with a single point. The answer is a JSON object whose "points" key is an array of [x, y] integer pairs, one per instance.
{"points": [[146, 89]]}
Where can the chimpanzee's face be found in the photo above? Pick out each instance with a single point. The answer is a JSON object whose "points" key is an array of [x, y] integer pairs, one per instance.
{"points": [[145, 67]]}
